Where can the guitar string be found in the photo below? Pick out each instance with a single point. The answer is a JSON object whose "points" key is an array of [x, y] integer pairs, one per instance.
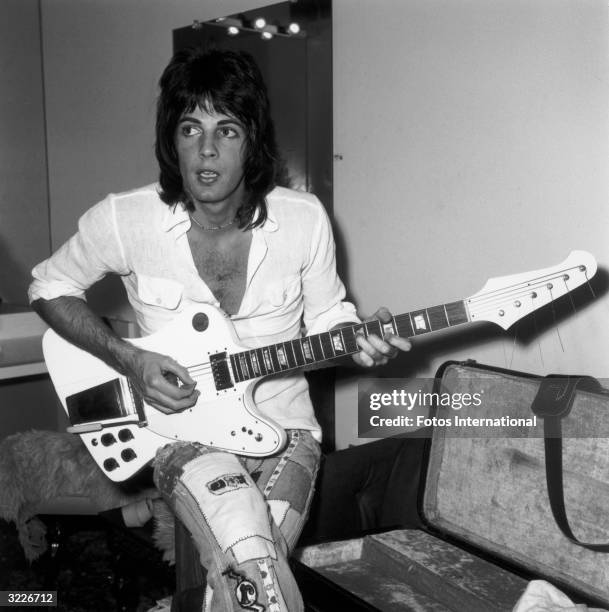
{"points": [[491, 302], [540, 279], [522, 294], [480, 303], [530, 284]]}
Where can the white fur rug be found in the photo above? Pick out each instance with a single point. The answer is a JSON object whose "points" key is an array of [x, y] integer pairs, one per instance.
{"points": [[37, 467]]}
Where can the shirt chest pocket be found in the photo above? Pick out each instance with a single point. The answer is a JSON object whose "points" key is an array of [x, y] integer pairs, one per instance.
{"points": [[284, 291], [159, 292]]}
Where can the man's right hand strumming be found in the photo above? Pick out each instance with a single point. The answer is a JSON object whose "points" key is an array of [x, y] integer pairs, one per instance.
{"points": [[160, 380]]}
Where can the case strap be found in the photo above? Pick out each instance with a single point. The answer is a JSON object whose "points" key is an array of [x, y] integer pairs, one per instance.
{"points": [[552, 403]]}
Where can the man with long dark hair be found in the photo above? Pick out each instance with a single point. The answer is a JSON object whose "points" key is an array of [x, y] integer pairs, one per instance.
{"points": [[217, 230]]}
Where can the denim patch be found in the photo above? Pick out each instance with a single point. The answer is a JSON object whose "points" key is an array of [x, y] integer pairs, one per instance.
{"points": [[227, 483], [294, 486], [246, 592], [169, 464]]}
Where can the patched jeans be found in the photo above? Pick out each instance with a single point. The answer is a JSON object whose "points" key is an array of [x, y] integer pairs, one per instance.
{"points": [[245, 516]]}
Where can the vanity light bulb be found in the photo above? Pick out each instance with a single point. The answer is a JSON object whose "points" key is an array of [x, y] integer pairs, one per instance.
{"points": [[266, 35], [233, 30], [260, 23], [293, 28]]}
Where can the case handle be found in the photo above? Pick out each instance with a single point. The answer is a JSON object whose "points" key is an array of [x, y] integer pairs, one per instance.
{"points": [[553, 403]]}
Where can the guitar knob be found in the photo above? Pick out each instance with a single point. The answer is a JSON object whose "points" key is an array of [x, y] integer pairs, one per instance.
{"points": [[200, 322], [110, 464], [128, 454], [108, 439], [124, 435]]}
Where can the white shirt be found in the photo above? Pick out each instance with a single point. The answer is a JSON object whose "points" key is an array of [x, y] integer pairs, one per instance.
{"points": [[291, 277]]}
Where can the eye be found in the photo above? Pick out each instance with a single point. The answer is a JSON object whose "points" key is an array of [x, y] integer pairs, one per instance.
{"points": [[189, 130], [228, 132]]}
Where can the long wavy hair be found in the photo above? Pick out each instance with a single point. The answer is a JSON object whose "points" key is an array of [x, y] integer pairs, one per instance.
{"points": [[230, 83]]}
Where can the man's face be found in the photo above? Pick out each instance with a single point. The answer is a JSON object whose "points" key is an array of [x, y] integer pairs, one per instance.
{"points": [[211, 148]]}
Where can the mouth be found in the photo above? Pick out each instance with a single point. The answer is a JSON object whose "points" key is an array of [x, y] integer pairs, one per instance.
{"points": [[207, 176]]}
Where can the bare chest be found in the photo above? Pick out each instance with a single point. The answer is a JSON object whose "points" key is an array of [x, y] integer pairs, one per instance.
{"points": [[222, 263]]}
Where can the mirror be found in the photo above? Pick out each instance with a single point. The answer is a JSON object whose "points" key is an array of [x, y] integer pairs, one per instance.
{"points": [[297, 68]]}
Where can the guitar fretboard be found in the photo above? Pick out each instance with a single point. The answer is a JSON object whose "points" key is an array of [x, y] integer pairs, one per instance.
{"points": [[315, 349]]}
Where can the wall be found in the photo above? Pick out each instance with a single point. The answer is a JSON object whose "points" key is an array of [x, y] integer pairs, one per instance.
{"points": [[24, 226], [24, 220], [102, 61], [473, 137]]}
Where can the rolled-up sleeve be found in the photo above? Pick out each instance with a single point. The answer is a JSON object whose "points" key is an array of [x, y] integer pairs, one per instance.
{"points": [[323, 291], [94, 251]]}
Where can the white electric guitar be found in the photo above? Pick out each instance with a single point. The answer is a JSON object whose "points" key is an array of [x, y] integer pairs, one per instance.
{"points": [[123, 433]]}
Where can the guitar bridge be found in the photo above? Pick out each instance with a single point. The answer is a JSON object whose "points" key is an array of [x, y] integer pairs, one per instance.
{"points": [[220, 371]]}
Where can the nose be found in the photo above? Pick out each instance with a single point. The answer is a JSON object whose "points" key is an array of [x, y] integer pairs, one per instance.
{"points": [[207, 145]]}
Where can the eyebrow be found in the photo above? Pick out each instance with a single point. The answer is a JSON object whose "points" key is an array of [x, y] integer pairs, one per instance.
{"points": [[229, 121]]}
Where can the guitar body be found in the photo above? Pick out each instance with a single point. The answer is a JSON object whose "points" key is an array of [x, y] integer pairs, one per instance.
{"points": [[127, 440], [123, 434]]}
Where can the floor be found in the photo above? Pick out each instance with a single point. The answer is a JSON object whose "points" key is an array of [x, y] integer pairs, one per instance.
{"points": [[84, 573]]}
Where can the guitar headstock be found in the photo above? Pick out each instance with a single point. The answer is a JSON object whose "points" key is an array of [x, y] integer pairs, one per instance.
{"points": [[507, 299]]}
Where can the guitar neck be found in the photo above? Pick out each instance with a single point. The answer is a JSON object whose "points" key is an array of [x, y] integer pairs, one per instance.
{"points": [[320, 348]]}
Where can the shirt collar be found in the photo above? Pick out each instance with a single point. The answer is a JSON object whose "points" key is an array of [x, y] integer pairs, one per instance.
{"points": [[270, 225], [175, 215]]}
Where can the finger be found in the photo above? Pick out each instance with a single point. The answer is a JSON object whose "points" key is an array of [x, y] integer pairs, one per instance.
{"points": [[170, 391], [382, 348], [169, 405], [383, 315], [373, 350], [363, 360], [171, 365], [398, 342]]}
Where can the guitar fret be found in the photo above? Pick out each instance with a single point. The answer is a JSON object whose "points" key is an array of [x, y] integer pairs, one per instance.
{"points": [[237, 368], [316, 350], [282, 356], [338, 343], [255, 364], [289, 351], [437, 318], [349, 338], [456, 313], [260, 356], [404, 326], [307, 349], [274, 358], [298, 354], [326, 345], [421, 322], [243, 364], [374, 327], [268, 362], [249, 364]]}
